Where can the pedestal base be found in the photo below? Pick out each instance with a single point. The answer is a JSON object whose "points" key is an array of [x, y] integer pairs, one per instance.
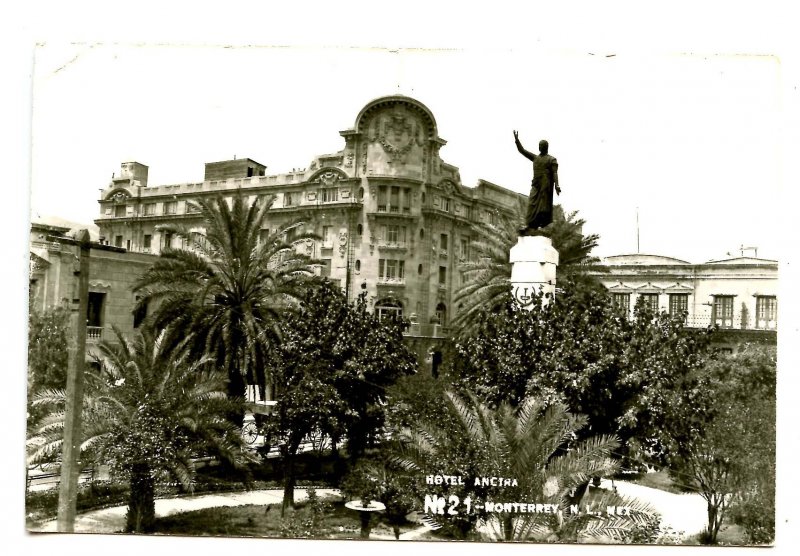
{"points": [[533, 269]]}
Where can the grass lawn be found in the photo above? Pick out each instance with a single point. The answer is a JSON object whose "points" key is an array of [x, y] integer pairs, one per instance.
{"points": [[265, 521]]}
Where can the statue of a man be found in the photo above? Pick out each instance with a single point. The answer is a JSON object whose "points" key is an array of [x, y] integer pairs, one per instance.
{"points": [[545, 178]]}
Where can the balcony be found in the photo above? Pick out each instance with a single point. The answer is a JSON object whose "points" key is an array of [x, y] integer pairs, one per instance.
{"points": [[94, 333], [427, 330], [731, 323], [392, 246], [384, 281]]}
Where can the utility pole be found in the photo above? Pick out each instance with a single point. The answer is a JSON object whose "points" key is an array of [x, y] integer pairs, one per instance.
{"points": [[71, 447]]}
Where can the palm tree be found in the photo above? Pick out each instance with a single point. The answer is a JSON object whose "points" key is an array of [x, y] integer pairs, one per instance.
{"points": [[487, 273], [230, 285], [148, 410], [536, 446]]}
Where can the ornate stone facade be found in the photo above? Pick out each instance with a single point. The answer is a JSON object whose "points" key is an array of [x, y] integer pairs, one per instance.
{"points": [[395, 219]]}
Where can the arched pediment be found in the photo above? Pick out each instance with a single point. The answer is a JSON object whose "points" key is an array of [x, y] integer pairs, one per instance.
{"points": [[118, 195], [389, 301], [396, 112], [328, 176]]}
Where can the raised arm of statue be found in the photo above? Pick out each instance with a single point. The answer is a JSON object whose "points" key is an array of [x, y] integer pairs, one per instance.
{"points": [[527, 154]]}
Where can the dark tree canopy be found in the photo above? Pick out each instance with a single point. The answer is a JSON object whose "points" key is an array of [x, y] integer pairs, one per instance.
{"points": [[580, 350], [723, 441], [332, 370], [48, 340]]}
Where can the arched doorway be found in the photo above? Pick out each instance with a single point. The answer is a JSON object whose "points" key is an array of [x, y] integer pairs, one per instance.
{"points": [[388, 308]]}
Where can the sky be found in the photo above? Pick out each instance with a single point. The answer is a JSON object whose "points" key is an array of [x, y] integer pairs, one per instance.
{"points": [[689, 142]]}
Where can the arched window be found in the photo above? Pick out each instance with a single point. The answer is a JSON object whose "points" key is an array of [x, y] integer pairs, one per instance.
{"points": [[422, 233], [388, 308], [419, 270], [360, 193], [441, 313], [423, 197], [358, 266], [360, 230]]}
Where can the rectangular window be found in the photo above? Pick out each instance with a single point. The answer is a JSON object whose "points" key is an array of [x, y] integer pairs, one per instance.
{"points": [[391, 269], [171, 207], [148, 240], [442, 275], [394, 199], [249, 171], [167, 239], [329, 195], [722, 311], [766, 312], [287, 199], [326, 235], [464, 249], [406, 200], [443, 242], [128, 244], [325, 269], [392, 233], [446, 204], [95, 309], [650, 301], [622, 302], [118, 241], [119, 211], [382, 198], [678, 304], [149, 209]]}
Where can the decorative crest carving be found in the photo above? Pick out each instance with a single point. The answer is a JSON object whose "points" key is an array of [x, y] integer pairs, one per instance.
{"points": [[397, 133], [328, 178]]}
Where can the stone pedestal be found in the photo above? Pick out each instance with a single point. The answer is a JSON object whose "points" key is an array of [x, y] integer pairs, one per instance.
{"points": [[533, 269]]}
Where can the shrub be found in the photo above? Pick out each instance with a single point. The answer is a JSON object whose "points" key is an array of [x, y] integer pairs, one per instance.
{"points": [[757, 517], [305, 522]]}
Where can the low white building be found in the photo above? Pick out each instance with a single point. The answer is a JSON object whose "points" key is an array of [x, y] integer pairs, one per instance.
{"points": [[737, 294]]}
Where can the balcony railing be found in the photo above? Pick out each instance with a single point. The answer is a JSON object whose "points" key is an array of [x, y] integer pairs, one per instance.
{"points": [[393, 281], [94, 333], [736, 322], [427, 330]]}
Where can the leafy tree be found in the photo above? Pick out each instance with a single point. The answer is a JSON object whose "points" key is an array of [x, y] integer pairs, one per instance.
{"points": [[725, 442], [230, 286], [48, 341], [534, 444], [488, 271], [333, 367], [621, 373], [148, 410]]}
